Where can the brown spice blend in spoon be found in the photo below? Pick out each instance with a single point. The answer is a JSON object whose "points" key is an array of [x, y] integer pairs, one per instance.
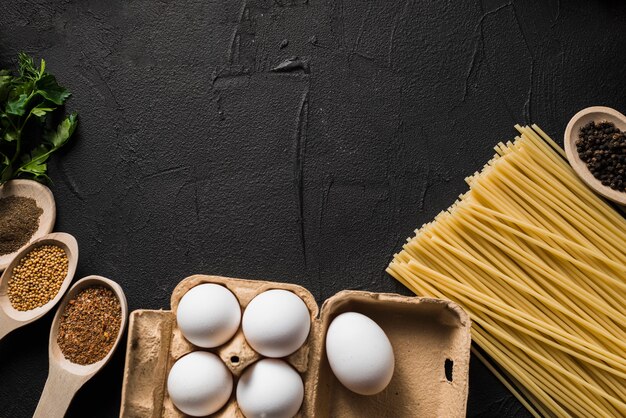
{"points": [[89, 325], [19, 220]]}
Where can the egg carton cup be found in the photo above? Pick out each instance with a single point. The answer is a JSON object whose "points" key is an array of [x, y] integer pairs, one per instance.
{"points": [[430, 338]]}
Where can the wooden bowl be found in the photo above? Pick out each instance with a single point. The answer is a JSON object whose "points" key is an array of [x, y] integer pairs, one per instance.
{"points": [[65, 377], [11, 318], [596, 114], [45, 200]]}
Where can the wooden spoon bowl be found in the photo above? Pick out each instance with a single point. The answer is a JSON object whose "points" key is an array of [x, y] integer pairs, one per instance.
{"points": [[596, 114], [45, 200], [11, 318], [65, 377]]}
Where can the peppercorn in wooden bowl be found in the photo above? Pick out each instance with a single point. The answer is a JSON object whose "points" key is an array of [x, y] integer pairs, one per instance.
{"points": [[597, 150]]}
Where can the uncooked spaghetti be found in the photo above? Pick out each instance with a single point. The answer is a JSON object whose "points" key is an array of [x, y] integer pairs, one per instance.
{"points": [[539, 262]]}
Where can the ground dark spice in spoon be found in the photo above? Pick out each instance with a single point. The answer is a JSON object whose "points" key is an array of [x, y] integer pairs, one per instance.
{"points": [[89, 325], [602, 147], [19, 220]]}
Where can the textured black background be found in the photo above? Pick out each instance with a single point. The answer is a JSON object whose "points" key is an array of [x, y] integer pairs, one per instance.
{"points": [[194, 156]]}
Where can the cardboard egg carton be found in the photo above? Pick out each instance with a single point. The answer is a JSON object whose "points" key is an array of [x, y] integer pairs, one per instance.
{"points": [[430, 338]]}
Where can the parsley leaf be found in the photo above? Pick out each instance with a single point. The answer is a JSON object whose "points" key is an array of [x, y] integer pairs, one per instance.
{"points": [[48, 87], [17, 106], [64, 131]]}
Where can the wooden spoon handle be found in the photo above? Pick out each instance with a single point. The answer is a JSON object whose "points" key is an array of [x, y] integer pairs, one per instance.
{"points": [[57, 394], [6, 326]]}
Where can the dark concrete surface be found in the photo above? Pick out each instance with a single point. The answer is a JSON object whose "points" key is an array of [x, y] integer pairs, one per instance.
{"points": [[297, 141]]}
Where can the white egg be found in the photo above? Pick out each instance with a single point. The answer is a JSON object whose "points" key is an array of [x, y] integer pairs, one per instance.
{"points": [[199, 383], [208, 315], [276, 323], [359, 353], [270, 388]]}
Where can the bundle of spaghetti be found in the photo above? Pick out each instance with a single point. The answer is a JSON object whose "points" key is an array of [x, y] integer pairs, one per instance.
{"points": [[539, 263]]}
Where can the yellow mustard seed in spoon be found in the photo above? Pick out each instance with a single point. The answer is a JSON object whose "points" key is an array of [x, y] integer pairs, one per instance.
{"points": [[38, 277]]}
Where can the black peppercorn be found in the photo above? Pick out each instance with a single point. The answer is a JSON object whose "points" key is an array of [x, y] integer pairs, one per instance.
{"points": [[602, 147]]}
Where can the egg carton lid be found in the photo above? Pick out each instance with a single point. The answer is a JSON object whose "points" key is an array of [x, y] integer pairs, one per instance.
{"points": [[430, 337]]}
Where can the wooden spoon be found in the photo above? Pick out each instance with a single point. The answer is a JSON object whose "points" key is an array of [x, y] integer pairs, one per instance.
{"points": [[45, 200], [596, 114], [65, 377], [11, 318]]}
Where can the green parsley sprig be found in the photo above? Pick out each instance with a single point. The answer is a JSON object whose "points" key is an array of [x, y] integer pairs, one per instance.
{"points": [[32, 121]]}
